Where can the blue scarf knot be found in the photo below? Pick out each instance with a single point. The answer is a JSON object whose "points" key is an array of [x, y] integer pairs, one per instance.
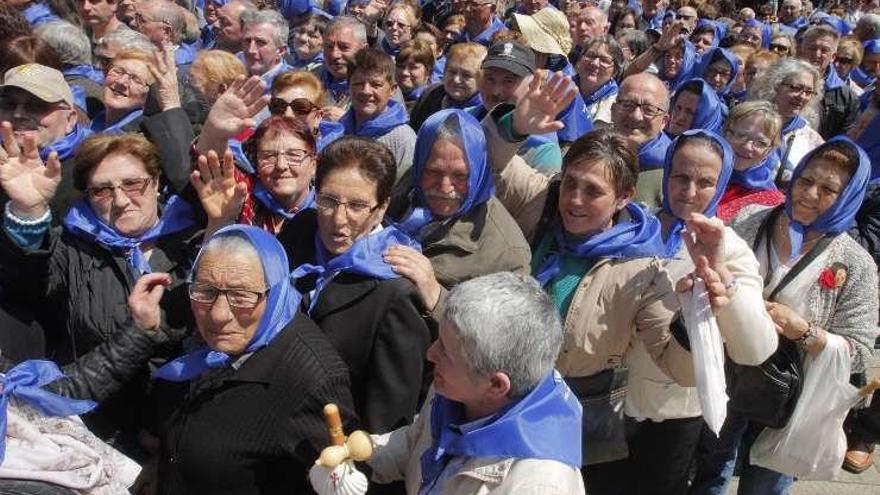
{"points": [[545, 424], [393, 116], [637, 237], [609, 88], [25, 382], [364, 257], [82, 223], [839, 216], [338, 88], [832, 79], [758, 177], [268, 200], [282, 305], [66, 146]]}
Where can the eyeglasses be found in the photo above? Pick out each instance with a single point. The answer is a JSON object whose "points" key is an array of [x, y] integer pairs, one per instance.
{"points": [[604, 60], [395, 24], [354, 209], [130, 187], [117, 73], [293, 158], [804, 90], [299, 106], [759, 142], [647, 109], [236, 298], [845, 60], [717, 71], [779, 48]]}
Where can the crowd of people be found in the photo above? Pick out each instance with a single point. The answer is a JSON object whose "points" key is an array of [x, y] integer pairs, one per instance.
{"points": [[470, 224]]}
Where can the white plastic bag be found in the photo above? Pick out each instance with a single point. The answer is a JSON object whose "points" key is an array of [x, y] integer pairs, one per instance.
{"points": [[812, 444], [708, 354]]}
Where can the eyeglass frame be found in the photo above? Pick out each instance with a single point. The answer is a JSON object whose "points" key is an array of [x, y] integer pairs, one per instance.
{"points": [[290, 104], [351, 214], [192, 285], [264, 164], [648, 110], [95, 192], [804, 90], [133, 78], [746, 137]]}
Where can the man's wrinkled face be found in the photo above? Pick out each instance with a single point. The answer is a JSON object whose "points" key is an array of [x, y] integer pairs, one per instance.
{"points": [[31, 116], [261, 52], [819, 51], [640, 112], [340, 46]]}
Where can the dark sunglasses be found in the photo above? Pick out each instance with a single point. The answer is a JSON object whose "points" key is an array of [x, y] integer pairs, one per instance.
{"points": [[845, 61], [299, 106], [779, 48]]}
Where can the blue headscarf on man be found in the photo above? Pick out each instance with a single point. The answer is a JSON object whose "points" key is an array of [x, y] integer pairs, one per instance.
{"points": [[282, 304]]}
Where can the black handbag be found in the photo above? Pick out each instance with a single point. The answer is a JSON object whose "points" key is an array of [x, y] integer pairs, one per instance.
{"points": [[768, 393], [602, 396]]}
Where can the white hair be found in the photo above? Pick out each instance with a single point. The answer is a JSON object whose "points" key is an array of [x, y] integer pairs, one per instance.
{"points": [[127, 39], [342, 22], [281, 30], [68, 40], [767, 85], [228, 245]]}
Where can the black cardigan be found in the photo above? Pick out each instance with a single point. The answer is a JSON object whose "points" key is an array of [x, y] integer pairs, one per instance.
{"points": [[378, 328], [257, 429]]}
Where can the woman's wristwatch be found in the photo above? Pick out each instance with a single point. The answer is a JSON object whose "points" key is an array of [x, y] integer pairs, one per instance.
{"points": [[810, 333]]}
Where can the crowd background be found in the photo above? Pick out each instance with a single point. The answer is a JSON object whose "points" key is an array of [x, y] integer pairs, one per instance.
{"points": [[452, 218]]}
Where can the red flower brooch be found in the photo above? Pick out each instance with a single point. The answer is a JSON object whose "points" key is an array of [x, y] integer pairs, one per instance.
{"points": [[832, 277]]}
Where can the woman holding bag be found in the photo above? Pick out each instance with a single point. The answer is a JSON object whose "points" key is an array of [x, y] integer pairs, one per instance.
{"points": [[817, 282]]}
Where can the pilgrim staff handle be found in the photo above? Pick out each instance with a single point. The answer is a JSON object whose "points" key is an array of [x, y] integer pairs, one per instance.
{"points": [[334, 424]]}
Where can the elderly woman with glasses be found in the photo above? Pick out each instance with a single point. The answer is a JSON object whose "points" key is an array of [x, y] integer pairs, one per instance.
{"points": [[597, 73], [259, 376], [85, 270], [126, 85], [400, 24]]}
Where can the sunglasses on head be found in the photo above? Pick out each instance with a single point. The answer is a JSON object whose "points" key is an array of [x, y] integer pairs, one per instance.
{"points": [[299, 106]]}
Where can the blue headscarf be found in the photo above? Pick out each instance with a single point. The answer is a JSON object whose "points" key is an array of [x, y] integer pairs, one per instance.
{"points": [[832, 79], [689, 58], [82, 222], [393, 116], [474, 100], [241, 158], [282, 304], [576, 119], [766, 31], [39, 13], [711, 111], [834, 22], [718, 28], [266, 199], [481, 187], [365, 257], [100, 126], [25, 382], [652, 155], [86, 71], [673, 242], [541, 425], [610, 88], [638, 237], [838, 217], [713, 54], [862, 78], [328, 131], [66, 146]]}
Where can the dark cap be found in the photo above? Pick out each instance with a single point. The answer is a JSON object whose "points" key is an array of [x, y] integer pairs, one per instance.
{"points": [[511, 56]]}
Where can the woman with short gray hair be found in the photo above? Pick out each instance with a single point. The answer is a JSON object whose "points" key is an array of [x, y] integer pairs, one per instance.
{"points": [[75, 51], [600, 65]]}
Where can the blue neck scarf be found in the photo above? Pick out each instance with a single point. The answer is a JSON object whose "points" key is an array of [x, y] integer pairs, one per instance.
{"points": [[269, 76], [758, 177], [388, 49], [25, 382], [712, 55], [541, 425], [268, 200], [766, 31], [282, 304], [415, 94], [393, 116], [792, 125], [638, 237], [652, 154], [474, 100], [82, 223], [329, 131], [576, 118], [832, 80], [39, 13], [839, 216], [86, 71], [364, 257], [485, 37], [711, 111], [338, 88], [481, 187], [673, 242], [609, 88], [185, 54], [689, 58], [66, 146], [100, 126], [300, 64]]}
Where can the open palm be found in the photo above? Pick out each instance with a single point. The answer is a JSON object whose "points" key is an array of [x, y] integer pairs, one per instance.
{"points": [[233, 112], [29, 183], [537, 108], [219, 192]]}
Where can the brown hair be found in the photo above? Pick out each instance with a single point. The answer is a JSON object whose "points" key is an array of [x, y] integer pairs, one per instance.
{"points": [[97, 147], [772, 121], [841, 156], [417, 50], [372, 61], [296, 78], [273, 127], [605, 146], [371, 158], [762, 56], [23, 50]]}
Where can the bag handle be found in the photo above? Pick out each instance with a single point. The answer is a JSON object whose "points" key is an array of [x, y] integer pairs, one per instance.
{"points": [[765, 232]]}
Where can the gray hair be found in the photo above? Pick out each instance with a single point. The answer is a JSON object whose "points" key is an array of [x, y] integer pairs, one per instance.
{"points": [[767, 85], [168, 13], [613, 48], [634, 39], [871, 25], [128, 39], [68, 40], [281, 29], [507, 323], [343, 22], [229, 245], [818, 31]]}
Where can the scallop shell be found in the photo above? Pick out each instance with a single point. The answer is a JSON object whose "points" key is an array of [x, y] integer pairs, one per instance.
{"points": [[345, 479]]}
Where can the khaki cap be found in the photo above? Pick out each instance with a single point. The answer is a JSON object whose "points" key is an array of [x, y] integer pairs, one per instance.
{"points": [[45, 83]]}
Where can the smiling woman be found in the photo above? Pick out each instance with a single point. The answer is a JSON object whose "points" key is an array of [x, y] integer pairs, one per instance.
{"points": [[126, 86]]}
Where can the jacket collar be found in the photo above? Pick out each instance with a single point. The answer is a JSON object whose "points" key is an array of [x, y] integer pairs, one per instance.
{"points": [[463, 233]]}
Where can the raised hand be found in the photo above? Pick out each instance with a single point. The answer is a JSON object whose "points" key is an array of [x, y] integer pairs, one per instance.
{"points": [[719, 294], [232, 113], [671, 36], [29, 183], [704, 237], [164, 70], [537, 108], [409, 263], [220, 194], [143, 302]]}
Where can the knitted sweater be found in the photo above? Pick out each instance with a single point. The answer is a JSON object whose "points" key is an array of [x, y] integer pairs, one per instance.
{"points": [[402, 142]]}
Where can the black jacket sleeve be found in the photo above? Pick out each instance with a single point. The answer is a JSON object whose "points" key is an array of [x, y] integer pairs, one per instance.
{"points": [[172, 134], [866, 227]]}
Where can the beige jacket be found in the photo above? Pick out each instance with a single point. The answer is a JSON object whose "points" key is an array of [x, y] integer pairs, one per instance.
{"points": [[617, 303], [398, 454]]}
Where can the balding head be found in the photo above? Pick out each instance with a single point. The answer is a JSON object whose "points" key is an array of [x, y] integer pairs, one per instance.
{"points": [[642, 108]]}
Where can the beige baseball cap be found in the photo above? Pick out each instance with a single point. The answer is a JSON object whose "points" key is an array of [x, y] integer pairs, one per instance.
{"points": [[545, 31], [45, 83]]}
